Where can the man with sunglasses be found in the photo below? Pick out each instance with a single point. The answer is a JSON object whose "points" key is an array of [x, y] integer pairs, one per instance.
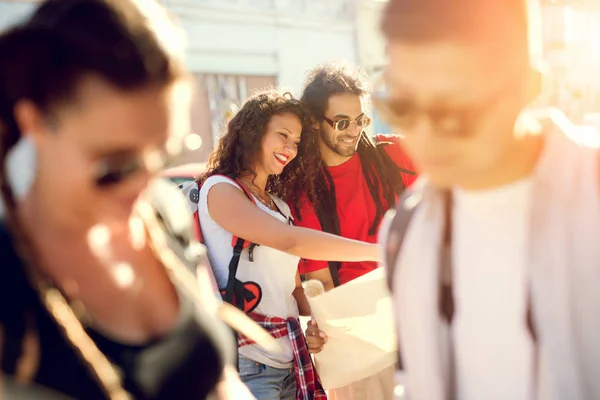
{"points": [[495, 288], [361, 179]]}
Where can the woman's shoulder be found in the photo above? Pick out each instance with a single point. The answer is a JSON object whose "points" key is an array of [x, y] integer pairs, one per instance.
{"points": [[213, 180]]}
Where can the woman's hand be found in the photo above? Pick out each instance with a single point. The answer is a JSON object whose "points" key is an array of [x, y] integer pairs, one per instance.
{"points": [[315, 338]]}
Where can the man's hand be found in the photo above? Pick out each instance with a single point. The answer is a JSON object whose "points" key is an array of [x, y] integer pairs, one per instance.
{"points": [[315, 338]]}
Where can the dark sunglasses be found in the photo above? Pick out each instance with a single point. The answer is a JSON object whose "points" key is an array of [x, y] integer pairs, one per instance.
{"points": [[117, 168], [342, 124], [404, 113]]}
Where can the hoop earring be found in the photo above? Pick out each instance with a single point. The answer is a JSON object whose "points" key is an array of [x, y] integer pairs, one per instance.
{"points": [[21, 166]]}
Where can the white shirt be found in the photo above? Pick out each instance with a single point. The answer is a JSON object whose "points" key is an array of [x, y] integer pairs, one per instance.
{"points": [[564, 263], [273, 270], [493, 347]]}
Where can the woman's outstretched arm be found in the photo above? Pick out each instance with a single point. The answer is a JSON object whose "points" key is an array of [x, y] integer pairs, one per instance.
{"points": [[228, 207]]}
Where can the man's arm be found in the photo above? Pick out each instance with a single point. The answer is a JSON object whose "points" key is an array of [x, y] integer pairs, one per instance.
{"points": [[300, 296], [323, 275]]}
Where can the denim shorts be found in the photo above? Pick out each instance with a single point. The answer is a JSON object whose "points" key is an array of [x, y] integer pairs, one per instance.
{"points": [[267, 383]]}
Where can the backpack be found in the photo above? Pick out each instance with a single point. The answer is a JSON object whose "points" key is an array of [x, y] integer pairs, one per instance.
{"points": [[243, 295]]}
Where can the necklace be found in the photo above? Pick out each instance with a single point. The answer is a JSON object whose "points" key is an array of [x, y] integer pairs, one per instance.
{"points": [[268, 203]]}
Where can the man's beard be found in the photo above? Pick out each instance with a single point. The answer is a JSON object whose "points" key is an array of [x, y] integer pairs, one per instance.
{"points": [[336, 146]]}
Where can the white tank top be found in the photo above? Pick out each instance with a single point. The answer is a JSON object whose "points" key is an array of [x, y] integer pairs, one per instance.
{"points": [[273, 270]]}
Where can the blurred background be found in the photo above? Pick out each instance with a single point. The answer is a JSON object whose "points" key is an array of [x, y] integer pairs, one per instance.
{"points": [[239, 46]]}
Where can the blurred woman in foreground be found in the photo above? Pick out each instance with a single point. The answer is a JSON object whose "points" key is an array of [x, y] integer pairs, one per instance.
{"points": [[92, 93]]}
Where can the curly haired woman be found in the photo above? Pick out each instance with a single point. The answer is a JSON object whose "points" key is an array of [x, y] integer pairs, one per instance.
{"points": [[268, 151]]}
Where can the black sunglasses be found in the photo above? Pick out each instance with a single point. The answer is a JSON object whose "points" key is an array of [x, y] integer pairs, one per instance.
{"points": [[117, 168], [403, 113]]}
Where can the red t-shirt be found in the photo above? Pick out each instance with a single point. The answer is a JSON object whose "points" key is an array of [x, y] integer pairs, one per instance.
{"points": [[355, 207]]}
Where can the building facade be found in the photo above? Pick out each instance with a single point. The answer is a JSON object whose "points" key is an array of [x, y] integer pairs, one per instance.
{"points": [[236, 47], [565, 38], [371, 48], [572, 51]]}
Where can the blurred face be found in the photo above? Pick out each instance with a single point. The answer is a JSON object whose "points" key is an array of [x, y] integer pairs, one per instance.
{"points": [[344, 121], [456, 103], [98, 153], [279, 144]]}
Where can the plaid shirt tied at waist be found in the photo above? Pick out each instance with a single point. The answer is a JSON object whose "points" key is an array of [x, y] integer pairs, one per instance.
{"points": [[308, 384]]}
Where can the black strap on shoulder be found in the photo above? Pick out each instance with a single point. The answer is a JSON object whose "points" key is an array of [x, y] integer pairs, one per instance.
{"points": [[231, 291], [235, 292], [396, 233], [395, 238], [334, 269], [334, 266], [328, 224]]}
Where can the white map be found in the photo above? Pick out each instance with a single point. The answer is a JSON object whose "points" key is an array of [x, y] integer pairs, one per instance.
{"points": [[358, 320]]}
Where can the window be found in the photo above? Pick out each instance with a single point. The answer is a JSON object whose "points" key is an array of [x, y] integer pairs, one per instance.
{"points": [[226, 93]]}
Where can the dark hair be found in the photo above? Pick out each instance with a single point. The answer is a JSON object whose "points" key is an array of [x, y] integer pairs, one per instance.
{"points": [[43, 60], [329, 79], [455, 19], [381, 174], [242, 143]]}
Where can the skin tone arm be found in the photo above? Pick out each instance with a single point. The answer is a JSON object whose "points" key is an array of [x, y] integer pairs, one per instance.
{"points": [[229, 208], [323, 275], [300, 297]]}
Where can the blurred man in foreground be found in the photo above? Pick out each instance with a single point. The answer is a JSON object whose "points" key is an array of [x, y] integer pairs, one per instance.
{"points": [[495, 288]]}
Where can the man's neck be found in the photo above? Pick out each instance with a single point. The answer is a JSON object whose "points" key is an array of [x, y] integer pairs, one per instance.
{"points": [[331, 158], [519, 164]]}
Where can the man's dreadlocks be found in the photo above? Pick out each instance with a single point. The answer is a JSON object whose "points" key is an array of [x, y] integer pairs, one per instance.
{"points": [[381, 173]]}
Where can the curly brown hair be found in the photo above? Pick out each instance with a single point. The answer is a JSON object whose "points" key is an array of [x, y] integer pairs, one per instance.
{"points": [[239, 148]]}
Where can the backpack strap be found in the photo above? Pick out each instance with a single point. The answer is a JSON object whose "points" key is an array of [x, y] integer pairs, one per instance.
{"points": [[393, 243], [192, 191], [334, 269], [234, 292], [231, 294], [395, 237], [327, 226], [234, 240]]}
